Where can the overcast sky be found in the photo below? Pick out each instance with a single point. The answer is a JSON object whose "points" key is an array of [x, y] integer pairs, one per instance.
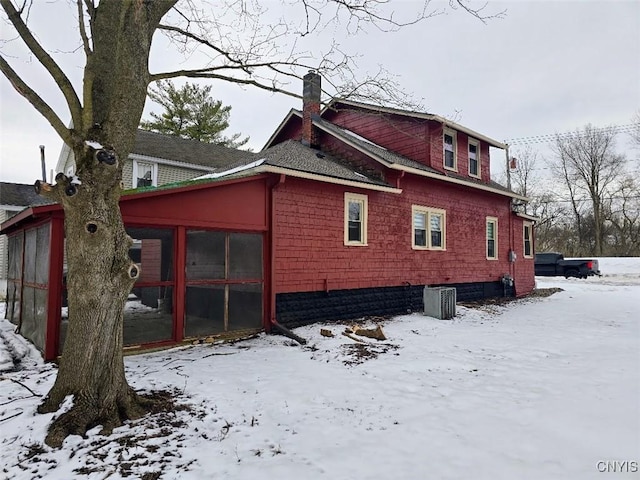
{"points": [[546, 67]]}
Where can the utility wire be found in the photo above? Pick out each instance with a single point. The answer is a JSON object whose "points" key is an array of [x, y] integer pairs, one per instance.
{"points": [[551, 137]]}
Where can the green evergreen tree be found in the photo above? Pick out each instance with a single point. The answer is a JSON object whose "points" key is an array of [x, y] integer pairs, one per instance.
{"points": [[190, 112]]}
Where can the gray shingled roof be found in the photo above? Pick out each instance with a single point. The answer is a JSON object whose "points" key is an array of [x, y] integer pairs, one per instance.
{"points": [[187, 151], [20, 195], [293, 155]]}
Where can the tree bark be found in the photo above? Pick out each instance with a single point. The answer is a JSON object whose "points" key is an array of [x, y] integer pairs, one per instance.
{"points": [[115, 85]]}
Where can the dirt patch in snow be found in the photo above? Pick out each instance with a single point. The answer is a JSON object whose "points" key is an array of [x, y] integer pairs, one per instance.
{"points": [[358, 353]]}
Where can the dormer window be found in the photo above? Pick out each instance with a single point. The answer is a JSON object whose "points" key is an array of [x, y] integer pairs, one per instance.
{"points": [[474, 158], [449, 149]]}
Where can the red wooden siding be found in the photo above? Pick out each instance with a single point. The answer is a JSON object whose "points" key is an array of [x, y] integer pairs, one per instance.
{"points": [[236, 205], [309, 237], [406, 136], [150, 260]]}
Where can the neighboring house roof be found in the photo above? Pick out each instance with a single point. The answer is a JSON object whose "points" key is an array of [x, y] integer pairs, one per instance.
{"points": [[168, 147], [15, 196], [336, 102], [178, 151]]}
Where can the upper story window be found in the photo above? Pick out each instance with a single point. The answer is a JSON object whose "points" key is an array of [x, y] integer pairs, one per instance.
{"points": [[145, 174], [449, 149], [355, 219], [428, 226], [526, 234], [474, 158], [492, 238]]}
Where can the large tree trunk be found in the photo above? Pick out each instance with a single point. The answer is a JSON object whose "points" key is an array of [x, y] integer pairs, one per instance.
{"points": [[100, 272]]}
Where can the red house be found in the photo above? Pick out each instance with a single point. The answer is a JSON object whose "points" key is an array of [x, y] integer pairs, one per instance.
{"points": [[347, 212]]}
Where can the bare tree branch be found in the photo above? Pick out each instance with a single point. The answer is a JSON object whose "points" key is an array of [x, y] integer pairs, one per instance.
{"points": [[83, 32], [38, 103], [47, 62]]}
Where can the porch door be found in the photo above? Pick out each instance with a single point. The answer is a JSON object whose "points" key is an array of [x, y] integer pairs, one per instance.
{"points": [[224, 282]]}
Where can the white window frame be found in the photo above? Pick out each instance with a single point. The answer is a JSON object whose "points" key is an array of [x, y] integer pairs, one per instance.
{"points": [[494, 221], [475, 143], [525, 226], [363, 201], [428, 212], [454, 137], [154, 173]]}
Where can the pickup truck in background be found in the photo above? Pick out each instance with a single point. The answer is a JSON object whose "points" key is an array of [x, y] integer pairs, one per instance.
{"points": [[554, 265]]}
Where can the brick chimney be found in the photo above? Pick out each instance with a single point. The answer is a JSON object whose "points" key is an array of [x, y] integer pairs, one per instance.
{"points": [[311, 89]]}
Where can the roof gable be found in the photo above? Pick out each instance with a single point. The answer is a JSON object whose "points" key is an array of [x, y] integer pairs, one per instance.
{"points": [[337, 103]]}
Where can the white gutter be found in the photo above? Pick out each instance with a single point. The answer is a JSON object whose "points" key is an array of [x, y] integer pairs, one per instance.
{"points": [[13, 208], [528, 217], [457, 181]]}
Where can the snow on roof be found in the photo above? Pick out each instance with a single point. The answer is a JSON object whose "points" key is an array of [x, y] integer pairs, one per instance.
{"points": [[231, 171]]}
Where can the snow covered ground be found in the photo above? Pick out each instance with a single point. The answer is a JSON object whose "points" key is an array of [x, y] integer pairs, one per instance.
{"points": [[544, 388]]}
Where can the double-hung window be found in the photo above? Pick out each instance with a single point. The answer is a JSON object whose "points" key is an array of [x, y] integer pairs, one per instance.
{"points": [[145, 174], [449, 149], [428, 228], [474, 158], [492, 238], [355, 219], [526, 234]]}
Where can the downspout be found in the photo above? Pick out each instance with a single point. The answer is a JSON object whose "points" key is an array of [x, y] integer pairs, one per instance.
{"points": [[511, 256], [273, 321]]}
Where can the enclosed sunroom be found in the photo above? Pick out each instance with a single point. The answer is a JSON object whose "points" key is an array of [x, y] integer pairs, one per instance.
{"points": [[202, 249]]}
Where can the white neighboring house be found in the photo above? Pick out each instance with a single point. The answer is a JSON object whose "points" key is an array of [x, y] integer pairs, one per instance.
{"points": [[14, 197], [158, 159]]}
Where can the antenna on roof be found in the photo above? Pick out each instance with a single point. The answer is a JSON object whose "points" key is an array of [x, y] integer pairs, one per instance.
{"points": [[44, 167]]}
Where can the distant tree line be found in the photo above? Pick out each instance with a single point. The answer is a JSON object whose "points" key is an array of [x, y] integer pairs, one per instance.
{"points": [[588, 204]]}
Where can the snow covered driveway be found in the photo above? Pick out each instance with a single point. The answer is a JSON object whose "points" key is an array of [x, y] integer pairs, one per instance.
{"points": [[547, 388]]}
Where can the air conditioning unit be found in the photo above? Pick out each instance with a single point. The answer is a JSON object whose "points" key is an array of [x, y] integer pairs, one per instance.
{"points": [[440, 302]]}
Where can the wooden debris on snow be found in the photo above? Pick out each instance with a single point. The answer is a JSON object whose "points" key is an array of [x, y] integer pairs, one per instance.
{"points": [[376, 333], [348, 333], [325, 332]]}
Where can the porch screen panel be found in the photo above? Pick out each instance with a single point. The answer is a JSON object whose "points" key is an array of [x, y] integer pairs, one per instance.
{"points": [[224, 282], [14, 277], [32, 324], [245, 306], [148, 314], [205, 255], [245, 255], [205, 307]]}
